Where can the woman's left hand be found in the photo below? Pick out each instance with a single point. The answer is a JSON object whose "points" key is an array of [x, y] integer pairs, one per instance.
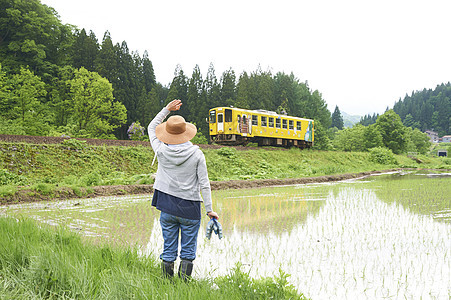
{"points": [[212, 215]]}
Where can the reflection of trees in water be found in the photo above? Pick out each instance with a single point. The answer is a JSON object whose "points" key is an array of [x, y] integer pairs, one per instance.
{"points": [[425, 194], [268, 210]]}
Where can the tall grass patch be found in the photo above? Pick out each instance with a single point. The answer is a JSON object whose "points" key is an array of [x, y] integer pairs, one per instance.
{"points": [[44, 263]]}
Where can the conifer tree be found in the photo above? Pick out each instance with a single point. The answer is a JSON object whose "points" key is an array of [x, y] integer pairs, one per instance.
{"points": [[84, 50], [337, 119], [228, 89]]}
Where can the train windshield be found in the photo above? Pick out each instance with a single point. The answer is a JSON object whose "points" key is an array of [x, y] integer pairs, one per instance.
{"points": [[213, 116]]}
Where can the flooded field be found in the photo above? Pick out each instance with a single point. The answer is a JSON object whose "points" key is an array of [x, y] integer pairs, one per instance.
{"points": [[386, 236]]}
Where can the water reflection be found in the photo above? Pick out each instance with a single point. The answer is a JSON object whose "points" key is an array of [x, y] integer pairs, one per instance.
{"points": [[273, 209], [355, 247], [426, 192]]}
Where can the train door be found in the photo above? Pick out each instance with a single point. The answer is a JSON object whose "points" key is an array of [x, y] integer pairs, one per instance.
{"points": [[220, 122], [239, 123], [245, 126]]}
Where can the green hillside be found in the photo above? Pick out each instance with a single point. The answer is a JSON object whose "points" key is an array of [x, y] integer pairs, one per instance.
{"points": [[74, 165]]}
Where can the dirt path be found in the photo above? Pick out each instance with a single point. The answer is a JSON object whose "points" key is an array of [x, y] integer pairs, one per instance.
{"points": [[26, 196]]}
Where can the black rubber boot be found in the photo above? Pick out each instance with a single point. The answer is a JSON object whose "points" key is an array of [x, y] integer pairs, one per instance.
{"points": [[167, 268], [185, 269]]}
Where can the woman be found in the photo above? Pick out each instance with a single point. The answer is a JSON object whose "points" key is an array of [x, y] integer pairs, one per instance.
{"points": [[181, 175]]}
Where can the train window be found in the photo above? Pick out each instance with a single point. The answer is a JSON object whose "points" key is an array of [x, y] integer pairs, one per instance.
{"points": [[263, 120], [254, 120], [284, 124], [220, 119], [298, 125], [228, 115], [291, 124], [271, 122], [277, 123], [213, 116]]}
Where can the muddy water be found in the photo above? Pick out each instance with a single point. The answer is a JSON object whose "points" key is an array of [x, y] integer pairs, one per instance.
{"points": [[381, 236]]}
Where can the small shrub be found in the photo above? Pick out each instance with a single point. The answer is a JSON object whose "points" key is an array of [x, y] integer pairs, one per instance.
{"points": [[199, 138], [74, 144], [136, 132], [383, 156], [80, 192], [7, 177], [142, 179], [227, 152], [92, 179], [43, 188], [7, 190]]}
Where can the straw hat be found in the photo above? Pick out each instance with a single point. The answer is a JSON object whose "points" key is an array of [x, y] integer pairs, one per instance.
{"points": [[175, 130]]}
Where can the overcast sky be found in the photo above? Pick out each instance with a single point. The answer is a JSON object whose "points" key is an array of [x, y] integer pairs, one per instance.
{"points": [[361, 55]]}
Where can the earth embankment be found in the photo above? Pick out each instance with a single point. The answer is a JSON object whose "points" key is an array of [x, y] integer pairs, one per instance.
{"points": [[65, 193]]}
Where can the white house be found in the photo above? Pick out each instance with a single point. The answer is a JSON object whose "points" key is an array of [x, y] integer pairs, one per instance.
{"points": [[432, 135]]}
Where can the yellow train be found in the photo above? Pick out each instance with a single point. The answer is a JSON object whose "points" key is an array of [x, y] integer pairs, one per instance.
{"points": [[236, 126]]}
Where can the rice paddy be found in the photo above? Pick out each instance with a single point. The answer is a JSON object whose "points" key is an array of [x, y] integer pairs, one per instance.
{"points": [[378, 237]]}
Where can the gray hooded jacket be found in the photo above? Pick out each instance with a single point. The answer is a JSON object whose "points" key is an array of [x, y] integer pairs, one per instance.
{"points": [[182, 170]]}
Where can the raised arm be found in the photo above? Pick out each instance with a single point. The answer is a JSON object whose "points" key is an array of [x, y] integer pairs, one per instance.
{"points": [[172, 106]]}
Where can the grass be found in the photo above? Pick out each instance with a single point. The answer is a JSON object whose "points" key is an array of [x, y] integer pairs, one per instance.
{"points": [[49, 167], [43, 263]]}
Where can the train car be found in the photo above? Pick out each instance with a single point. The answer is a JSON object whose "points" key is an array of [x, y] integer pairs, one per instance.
{"points": [[236, 126]]}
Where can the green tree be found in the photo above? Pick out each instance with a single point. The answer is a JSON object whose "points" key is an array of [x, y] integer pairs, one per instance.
{"points": [[106, 61], [94, 109], [4, 91], [59, 96], [148, 72], [228, 89], [213, 89], [27, 90], [393, 131], [321, 140], [372, 138], [350, 139], [244, 91], [32, 36], [408, 121], [179, 90], [337, 119], [262, 91], [196, 98], [444, 113], [85, 50], [154, 104], [316, 109], [419, 140]]}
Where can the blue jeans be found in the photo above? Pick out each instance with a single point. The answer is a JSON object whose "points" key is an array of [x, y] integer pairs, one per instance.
{"points": [[171, 226]]}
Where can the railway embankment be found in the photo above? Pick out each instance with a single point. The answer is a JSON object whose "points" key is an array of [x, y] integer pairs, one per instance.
{"points": [[43, 168]]}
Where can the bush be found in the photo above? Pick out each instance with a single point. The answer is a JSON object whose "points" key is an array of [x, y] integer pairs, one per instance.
{"points": [[199, 138], [44, 188], [74, 144], [383, 156], [7, 190], [136, 132], [92, 179], [227, 152], [10, 178]]}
